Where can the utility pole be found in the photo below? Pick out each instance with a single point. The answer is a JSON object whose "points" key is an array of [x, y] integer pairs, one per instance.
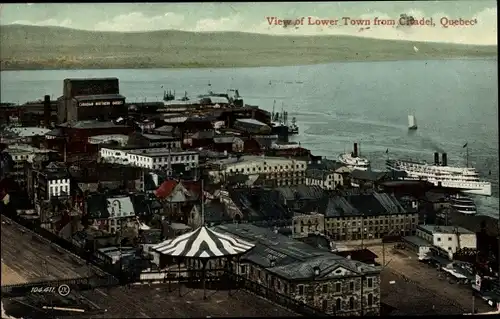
{"points": [[362, 231]]}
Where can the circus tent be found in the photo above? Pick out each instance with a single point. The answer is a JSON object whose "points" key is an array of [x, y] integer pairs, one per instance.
{"points": [[203, 244]]}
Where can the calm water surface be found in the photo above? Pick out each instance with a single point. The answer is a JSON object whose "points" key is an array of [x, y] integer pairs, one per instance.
{"points": [[336, 104]]}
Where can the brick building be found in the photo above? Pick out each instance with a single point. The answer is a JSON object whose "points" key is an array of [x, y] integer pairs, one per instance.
{"points": [[317, 277]]}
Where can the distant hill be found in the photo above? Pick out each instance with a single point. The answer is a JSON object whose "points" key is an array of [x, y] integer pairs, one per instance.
{"points": [[33, 47]]}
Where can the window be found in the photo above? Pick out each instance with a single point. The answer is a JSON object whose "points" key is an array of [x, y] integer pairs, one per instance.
{"points": [[285, 288], [279, 285], [370, 300], [243, 269], [439, 239], [338, 304], [325, 288], [324, 303], [351, 286], [370, 282], [449, 248], [351, 303], [449, 238], [301, 290]]}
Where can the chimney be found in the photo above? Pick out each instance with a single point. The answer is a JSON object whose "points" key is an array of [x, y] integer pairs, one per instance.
{"points": [[355, 153], [444, 160], [436, 158], [46, 111]]}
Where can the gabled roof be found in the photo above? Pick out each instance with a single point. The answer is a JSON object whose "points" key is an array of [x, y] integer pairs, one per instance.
{"points": [[293, 259], [165, 189]]}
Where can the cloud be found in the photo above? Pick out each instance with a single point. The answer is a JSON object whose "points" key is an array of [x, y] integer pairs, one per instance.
{"points": [[484, 32], [233, 23], [49, 22], [137, 21]]}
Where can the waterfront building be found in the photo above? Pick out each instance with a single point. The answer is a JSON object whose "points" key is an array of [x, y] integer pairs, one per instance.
{"points": [[327, 174], [152, 158], [275, 170], [447, 240], [317, 277], [90, 99], [367, 216]]}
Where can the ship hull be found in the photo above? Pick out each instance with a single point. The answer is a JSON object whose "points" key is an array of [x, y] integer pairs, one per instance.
{"points": [[484, 190], [466, 212], [293, 131], [416, 171]]}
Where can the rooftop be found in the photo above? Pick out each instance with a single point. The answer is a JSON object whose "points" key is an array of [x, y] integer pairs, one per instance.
{"points": [[158, 137], [99, 97], [290, 258], [98, 139], [29, 131], [445, 229], [417, 241], [249, 158], [363, 205], [13, 148], [156, 152], [90, 124], [149, 302]]}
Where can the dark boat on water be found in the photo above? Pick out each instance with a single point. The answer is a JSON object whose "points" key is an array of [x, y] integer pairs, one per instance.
{"points": [[279, 122]]}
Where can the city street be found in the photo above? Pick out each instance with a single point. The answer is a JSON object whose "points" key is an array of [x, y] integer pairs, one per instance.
{"points": [[405, 265]]}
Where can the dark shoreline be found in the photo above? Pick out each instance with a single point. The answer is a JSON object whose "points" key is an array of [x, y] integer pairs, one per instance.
{"points": [[229, 66]]}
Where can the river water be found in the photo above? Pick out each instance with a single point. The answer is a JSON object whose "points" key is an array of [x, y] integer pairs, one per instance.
{"points": [[454, 101]]}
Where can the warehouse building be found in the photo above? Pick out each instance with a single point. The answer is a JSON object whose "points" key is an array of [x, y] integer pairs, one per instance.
{"points": [[91, 99]]}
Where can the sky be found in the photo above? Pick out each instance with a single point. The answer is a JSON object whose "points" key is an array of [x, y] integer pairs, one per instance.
{"points": [[256, 18]]}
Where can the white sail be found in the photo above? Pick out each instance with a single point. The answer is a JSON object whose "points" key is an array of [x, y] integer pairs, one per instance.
{"points": [[412, 122], [415, 49]]}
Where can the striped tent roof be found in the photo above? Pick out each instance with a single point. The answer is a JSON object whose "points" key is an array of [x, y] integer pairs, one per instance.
{"points": [[203, 243]]}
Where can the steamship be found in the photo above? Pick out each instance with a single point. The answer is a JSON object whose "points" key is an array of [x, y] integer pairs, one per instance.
{"points": [[463, 179], [463, 204], [354, 161]]}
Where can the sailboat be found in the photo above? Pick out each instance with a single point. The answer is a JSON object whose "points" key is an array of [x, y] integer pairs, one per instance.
{"points": [[412, 122]]}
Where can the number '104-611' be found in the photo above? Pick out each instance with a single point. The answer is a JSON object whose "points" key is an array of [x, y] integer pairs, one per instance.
{"points": [[43, 290]]}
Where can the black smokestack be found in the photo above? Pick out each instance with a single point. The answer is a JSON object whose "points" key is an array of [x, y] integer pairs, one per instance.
{"points": [[436, 158], [355, 153], [46, 111], [444, 160]]}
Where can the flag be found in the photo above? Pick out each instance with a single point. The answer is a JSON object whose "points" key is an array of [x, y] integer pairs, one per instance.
{"points": [[387, 151], [465, 145]]}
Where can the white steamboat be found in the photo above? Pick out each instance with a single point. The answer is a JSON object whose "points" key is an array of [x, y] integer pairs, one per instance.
{"points": [[464, 179], [354, 161]]}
